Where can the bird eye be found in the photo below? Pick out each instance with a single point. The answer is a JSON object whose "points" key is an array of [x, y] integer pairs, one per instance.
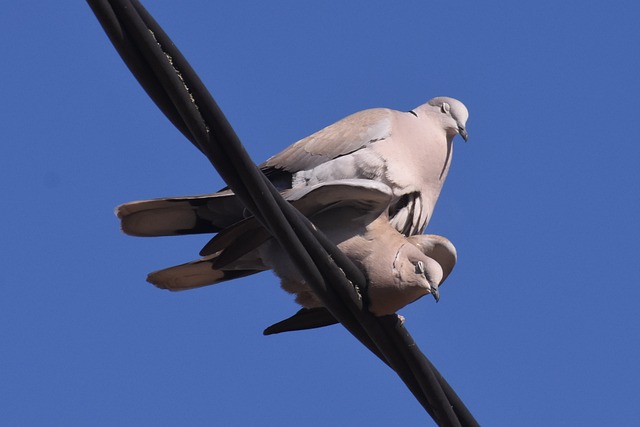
{"points": [[445, 108], [419, 267]]}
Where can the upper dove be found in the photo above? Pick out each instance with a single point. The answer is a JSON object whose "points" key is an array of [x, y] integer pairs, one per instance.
{"points": [[410, 152]]}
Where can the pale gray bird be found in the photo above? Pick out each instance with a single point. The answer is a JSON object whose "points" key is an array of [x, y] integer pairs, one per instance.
{"points": [[410, 152], [353, 214]]}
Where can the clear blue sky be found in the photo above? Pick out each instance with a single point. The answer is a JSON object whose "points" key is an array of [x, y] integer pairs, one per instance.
{"points": [[537, 325]]}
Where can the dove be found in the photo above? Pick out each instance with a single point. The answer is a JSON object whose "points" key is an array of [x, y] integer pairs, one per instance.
{"points": [[353, 215], [439, 248], [409, 152]]}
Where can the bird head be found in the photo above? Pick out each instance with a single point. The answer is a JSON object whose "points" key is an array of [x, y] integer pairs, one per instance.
{"points": [[453, 115], [421, 271], [438, 248]]}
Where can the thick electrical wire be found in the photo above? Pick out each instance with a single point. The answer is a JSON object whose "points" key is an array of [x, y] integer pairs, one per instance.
{"points": [[170, 81]]}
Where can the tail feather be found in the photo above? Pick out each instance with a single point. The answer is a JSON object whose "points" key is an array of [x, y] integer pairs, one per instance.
{"points": [[197, 274], [176, 216], [307, 318]]}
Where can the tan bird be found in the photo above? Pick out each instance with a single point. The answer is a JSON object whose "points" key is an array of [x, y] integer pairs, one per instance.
{"points": [[410, 152], [353, 214]]}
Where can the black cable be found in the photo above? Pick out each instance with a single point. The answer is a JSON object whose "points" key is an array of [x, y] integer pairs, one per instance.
{"points": [[170, 81]]}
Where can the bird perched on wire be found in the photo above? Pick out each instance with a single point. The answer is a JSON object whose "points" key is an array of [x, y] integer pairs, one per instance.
{"points": [[354, 215], [383, 170], [410, 152]]}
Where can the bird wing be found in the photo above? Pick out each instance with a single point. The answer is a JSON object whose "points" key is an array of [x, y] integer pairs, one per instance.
{"points": [[341, 138], [229, 254], [209, 213], [364, 197]]}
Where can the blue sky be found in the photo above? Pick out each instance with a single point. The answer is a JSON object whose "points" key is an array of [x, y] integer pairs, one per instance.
{"points": [[538, 323]]}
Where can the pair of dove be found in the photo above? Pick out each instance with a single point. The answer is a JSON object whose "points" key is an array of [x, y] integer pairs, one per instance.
{"points": [[369, 181]]}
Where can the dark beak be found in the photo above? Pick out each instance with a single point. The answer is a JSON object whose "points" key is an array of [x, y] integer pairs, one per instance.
{"points": [[435, 293], [463, 133]]}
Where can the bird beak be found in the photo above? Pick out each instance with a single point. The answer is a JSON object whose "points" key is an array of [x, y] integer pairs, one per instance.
{"points": [[435, 292], [433, 289], [463, 133]]}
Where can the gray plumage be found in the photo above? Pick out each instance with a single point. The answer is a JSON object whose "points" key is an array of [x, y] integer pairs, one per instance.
{"points": [[367, 181], [410, 152], [352, 213]]}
